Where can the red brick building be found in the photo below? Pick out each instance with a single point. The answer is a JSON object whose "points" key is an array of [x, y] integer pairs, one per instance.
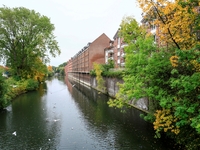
{"points": [[83, 61], [115, 51], [68, 67]]}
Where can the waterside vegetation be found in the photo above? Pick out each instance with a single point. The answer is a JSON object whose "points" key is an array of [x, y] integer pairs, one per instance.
{"points": [[26, 42], [167, 73]]}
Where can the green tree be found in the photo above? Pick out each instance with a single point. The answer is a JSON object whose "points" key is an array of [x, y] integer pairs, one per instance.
{"points": [[108, 66], [140, 48], [171, 86], [25, 36], [61, 69], [63, 64]]}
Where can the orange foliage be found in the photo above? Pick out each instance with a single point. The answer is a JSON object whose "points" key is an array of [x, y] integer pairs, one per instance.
{"points": [[49, 68], [174, 21], [165, 121], [196, 65], [174, 61]]}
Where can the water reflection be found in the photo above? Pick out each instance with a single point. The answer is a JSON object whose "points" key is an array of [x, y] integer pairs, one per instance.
{"points": [[111, 128], [27, 117], [60, 116]]}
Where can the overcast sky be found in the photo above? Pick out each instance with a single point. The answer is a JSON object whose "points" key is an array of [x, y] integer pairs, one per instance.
{"points": [[78, 22]]}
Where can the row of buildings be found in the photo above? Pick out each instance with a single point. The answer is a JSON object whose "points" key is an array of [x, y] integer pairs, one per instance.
{"points": [[100, 51], [103, 48]]}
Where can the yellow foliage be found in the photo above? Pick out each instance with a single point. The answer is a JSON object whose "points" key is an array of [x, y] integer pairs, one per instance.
{"points": [[39, 76], [174, 61], [175, 22], [165, 121], [49, 68], [99, 78], [196, 65]]}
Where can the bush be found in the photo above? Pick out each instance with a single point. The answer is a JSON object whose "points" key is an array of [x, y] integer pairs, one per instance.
{"points": [[31, 84], [117, 74], [92, 73], [13, 87]]}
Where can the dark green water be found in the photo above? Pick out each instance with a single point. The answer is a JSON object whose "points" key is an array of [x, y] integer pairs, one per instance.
{"points": [[61, 117]]}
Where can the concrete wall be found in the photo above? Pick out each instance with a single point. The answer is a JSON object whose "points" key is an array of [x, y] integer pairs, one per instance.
{"points": [[112, 85], [112, 88]]}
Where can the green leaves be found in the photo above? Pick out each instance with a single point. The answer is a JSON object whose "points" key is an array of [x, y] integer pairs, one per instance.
{"points": [[26, 36], [137, 52], [173, 91], [99, 78]]}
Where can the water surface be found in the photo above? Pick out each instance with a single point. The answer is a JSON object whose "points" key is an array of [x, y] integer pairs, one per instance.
{"points": [[60, 116]]}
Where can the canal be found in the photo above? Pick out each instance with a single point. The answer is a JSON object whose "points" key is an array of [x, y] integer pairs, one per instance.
{"points": [[62, 115]]}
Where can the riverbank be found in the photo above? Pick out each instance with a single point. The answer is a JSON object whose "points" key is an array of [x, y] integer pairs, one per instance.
{"points": [[11, 88], [111, 85], [60, 116], [112, 88]]}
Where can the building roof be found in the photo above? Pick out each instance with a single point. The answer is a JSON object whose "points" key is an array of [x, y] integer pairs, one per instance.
{"points": [[103, 34], [116, 34]]}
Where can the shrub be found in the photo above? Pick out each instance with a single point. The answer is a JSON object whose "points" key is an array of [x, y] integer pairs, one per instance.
{"points": [[117, 74], [31, 84], [92, 73]]}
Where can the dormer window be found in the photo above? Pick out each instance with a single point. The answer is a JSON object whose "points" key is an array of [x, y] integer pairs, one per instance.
{"points": [[111, 43]]}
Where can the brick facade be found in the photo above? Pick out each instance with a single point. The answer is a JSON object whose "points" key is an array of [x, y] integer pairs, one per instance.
{"points": [[83, 61], [115, 51]]}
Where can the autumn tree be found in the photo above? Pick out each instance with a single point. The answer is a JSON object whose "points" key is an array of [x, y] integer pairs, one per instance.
{"points": [[50, 68], [39, 70], [177, 113], [172, 90], [100, 82], [176, 21], [26, 37], [50, 71]]}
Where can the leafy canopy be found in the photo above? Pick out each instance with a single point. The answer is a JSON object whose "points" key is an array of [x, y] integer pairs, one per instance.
{"points": [[25, 37], [177, 21], [140, 47], [171, 84]]}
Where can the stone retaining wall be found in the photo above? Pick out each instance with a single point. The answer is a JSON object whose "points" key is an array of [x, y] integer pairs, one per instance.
{"points": [[112, 88]]}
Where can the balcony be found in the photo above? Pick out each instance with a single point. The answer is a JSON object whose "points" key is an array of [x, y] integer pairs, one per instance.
{"points": [[123, 54], [123, 64], [124, 45], [111, 58], [118, 61], [118, 53], [110, 51]]}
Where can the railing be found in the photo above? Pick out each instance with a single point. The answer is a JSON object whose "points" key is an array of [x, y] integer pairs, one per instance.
{"points": [[118, 53], [110, 51], [123, 45], [123, 54], [122, 64]]}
